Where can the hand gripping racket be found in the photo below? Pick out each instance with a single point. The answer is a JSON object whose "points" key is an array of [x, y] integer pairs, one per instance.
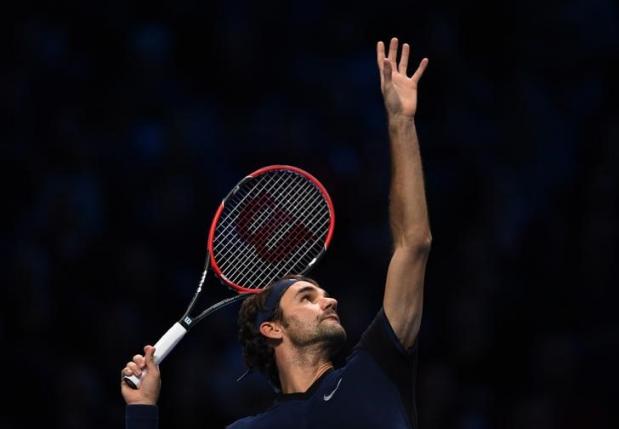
{"points": [[277, 221]]}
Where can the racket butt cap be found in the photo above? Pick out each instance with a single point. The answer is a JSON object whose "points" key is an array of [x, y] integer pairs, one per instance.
{"points": [[132, 381]]}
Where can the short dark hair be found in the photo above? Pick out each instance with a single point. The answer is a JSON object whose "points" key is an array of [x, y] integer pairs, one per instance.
{"points": [[257, 352]]}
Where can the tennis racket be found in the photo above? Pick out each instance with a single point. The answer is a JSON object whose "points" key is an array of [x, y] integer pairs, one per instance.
{"points": [[277, 221]]}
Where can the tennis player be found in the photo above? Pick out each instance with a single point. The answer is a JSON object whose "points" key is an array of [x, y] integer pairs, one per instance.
{"points": [[290, 331]]}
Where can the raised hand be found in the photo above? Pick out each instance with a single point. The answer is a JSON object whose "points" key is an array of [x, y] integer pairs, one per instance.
{"points": [[399, 91]]}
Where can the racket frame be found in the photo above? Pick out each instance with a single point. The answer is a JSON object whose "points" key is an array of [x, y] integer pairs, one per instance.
{"points": [[210, 243]]}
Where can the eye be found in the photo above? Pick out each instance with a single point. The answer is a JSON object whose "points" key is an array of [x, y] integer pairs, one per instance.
{"points": [[305, 297]]}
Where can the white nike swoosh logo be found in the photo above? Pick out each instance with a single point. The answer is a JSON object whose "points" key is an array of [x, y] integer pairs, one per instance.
{"points": [[328, 397]]}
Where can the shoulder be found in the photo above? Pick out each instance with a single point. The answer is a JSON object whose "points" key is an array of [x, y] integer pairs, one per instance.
{"points": [[254, 422], [243, 423], [239, 424], [381, 341], [379, 346]]}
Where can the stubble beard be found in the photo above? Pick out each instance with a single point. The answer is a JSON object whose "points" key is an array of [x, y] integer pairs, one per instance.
{"points": [[326, 333]]}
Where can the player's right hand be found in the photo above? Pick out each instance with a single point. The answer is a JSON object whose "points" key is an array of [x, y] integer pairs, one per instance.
{"points": [[148, 392]]}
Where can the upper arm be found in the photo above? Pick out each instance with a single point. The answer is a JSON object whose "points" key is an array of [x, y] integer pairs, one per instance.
{"points": [[403, 300]]}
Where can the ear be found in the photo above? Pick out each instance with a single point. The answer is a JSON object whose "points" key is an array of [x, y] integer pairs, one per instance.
{"points": [[271, 330]]}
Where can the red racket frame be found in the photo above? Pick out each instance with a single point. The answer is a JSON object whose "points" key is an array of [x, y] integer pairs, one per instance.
{"points": [[259, 172]]}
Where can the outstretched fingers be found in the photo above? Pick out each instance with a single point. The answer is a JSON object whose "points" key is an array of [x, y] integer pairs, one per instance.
{"points": [[380, 54], [380, 58], [387, 64], [404, 59], [419, 72], [393, 50]]}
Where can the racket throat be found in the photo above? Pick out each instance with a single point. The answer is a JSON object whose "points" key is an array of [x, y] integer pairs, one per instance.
{"points": [[186, 322]]}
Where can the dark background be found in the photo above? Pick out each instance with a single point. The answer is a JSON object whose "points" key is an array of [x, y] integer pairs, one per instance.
{"points": [[125, 125]]}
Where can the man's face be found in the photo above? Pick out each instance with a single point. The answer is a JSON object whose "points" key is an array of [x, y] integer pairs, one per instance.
{"points": [[310, 317]]}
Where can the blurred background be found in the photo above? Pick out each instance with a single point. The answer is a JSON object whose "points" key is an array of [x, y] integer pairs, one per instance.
{"points": [[125, 124]]}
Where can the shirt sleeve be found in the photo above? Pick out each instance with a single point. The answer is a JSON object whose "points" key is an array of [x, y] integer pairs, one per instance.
{"points": [[398, 363], [141, 417]]}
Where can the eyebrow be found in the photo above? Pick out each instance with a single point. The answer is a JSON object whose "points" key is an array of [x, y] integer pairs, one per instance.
{"points": [[311, 289]]}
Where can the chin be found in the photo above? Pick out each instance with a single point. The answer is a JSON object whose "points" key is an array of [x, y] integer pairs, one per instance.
{"points": [[334, 337]]}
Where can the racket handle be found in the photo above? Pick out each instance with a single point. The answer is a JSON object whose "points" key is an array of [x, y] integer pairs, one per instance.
{"points": [[164, 346]]}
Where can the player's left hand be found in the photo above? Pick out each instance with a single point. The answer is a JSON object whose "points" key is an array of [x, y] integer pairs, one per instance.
{"points": [[399, 91]]}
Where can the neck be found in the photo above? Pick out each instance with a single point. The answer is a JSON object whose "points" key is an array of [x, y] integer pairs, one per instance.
{"points": [[299, 369]]}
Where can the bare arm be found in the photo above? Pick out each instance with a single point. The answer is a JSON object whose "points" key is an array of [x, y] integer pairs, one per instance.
{"points": [[408, 214]]}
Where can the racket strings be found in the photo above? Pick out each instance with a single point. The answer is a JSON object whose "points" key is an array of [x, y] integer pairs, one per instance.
{"points": [[276, 215], [289, 225], [273, 225], [243, 194], [228, 222], [228, 240], [263, 276], [282, 249], [256, 272], [294, 264]]}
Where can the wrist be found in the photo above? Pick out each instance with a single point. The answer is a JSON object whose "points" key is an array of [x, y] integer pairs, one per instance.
{"points": [[397, 121], [399, 118], [142, 402]]}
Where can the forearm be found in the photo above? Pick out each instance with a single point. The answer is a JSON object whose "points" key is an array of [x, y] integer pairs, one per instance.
{"points": [[408, 213]]}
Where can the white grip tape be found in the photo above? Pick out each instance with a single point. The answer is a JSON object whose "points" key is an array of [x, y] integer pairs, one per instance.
{"points": [[164, 346], [169, 340]]}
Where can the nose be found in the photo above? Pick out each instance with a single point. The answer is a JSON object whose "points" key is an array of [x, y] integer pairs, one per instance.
{"points": [[330, 303]]}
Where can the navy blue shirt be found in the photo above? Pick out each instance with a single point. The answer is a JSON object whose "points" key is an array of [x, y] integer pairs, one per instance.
{"points": [[375, 388]]}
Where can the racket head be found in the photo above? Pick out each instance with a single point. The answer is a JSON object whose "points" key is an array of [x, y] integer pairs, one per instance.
{"points": [[278, 220]]}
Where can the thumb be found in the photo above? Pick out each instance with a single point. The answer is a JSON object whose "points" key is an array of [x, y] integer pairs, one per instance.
{"points": [[419, 72], [149, 357], [387, 71], [151, 384]]}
